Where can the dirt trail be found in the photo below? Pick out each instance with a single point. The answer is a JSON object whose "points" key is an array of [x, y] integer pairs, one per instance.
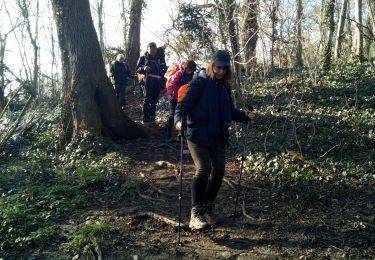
{"points": [[326, 222]]}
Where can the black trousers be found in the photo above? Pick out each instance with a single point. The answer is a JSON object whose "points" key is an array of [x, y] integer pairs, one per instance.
{"points": [[170, 121], [120, 93], [209, 171], [151, 98]]}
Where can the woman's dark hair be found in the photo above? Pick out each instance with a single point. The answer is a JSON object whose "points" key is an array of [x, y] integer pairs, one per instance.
{"points": [[191, 65], [210, 70]]}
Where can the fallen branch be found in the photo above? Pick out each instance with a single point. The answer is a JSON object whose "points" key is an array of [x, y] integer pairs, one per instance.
{"points": [[230, 184], [149, 198], [161, 218], [244, 212]]}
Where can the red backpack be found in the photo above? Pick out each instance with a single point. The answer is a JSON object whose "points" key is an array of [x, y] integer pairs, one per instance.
{"points": [[173, 70], [181, 92]]}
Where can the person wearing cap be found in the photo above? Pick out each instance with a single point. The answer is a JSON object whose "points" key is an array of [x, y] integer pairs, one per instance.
{"points": [[207, 107], [120, 72], [180, 78], [152, 66]]}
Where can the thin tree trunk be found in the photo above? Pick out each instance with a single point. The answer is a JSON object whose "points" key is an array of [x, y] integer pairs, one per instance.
{"points": [[2, 76], [230, 7], [91, 98], [329, 17], [322, 26], [100, 14], [367, 42], [358, 33], [371, 10], [340, 29], [298, 62], [274, 20], [134, 37], [125, 24], [250, 33]]}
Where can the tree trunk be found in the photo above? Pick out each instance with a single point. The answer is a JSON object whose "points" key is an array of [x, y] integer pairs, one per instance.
{"points": [[322, 26], [89, 96], [274, 20], [99, 11], [371, 10], [134, 37], [2, 76], [24, 7], [340, 29], [329, 18], [250, 32], [298, 61], [123, 14], [358, 28], [367, 42], [227, 16]]}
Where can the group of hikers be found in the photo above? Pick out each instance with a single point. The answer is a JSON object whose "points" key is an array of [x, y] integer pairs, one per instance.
{"points": [[201, 113]]}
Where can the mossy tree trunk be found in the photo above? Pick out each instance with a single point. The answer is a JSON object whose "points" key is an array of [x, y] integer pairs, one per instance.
{"points": [[89, 102]]}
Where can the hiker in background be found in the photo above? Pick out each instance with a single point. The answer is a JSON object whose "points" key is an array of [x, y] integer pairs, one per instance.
{"points": [[120, 72], [152, 66], [208, 107], [182, 77]]}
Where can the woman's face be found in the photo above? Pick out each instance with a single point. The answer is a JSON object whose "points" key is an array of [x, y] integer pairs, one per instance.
{"points": [[152, 50], [189, 71], [220, 72]]}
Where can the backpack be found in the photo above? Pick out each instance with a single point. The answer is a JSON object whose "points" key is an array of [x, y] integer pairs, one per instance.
{"points": [[183, 88], [181, 91], [173, 69]]}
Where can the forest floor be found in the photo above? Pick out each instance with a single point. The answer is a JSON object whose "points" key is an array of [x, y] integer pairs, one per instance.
{"points": [[132, 214]]}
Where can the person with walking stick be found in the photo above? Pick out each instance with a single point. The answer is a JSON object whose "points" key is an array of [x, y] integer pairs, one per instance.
{"points": [[207, 108]]}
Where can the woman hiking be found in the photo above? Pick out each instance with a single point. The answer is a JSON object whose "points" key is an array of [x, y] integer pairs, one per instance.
{"points": [[207, 108], [183, 76]]}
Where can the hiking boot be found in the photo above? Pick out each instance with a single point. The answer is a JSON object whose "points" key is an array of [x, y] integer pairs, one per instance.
{"points": [[197, 221], [210, 216]]}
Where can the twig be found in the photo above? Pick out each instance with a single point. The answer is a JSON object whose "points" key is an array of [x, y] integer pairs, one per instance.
{"points": [[149, 198], [329, 150], [244, 212], [228, 182], [161, 218]]}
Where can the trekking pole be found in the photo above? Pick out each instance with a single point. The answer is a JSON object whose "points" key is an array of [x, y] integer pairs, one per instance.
{"points": [[242, 165], [180, 174]]}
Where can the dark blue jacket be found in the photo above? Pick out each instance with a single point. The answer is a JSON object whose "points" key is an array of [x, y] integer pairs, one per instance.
{"points": [[156, 64], [120, 72], [194, 110]]}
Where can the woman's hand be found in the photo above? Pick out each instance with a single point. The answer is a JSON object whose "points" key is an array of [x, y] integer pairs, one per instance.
{"points": [[178, 126], [147, 69]]}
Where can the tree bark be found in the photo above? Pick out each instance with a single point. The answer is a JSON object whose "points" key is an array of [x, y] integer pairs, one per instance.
{"points": [[340, 29], [250, 33], [371, 10], [100, 13], [24, 7], [2, 76], [329, 18], [89, 100], [358, 28], [123, 14], [227, 10], [274, 20], [298, 61], [134, 37]]}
